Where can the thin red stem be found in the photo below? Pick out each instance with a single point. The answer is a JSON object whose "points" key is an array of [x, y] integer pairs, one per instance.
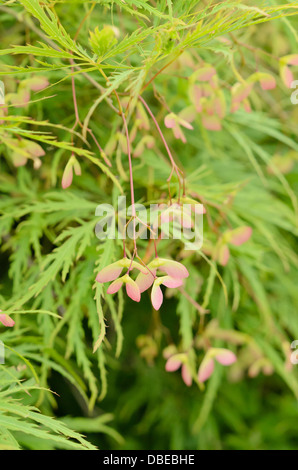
{"points": [[159, 130], [130, 166], [74, 96]]}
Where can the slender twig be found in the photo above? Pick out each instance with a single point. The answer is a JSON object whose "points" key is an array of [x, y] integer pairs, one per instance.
{"points": [[175, 168], [160, 71], [130, 166], [78, 121], [159, 130], [83, 21], [200, 309]]}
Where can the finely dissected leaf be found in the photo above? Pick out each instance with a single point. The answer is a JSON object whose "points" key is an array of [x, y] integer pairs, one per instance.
{"points": [[49, 23]]}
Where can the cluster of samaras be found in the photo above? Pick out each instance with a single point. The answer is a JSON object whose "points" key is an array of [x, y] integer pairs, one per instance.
{"points": [[173, 275]]}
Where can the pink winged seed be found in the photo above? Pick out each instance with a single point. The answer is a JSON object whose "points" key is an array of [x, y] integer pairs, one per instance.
{"points": [[240, 235], [67, 177], [109, 273], [225, 357], [186, 375], [156, 296], [205, 73], [287, 76], [6, 320], [144, 281], [185, 124], [34, 149], [172, 364], [241, 92], [206, 369], [170, 121], [178, 134], [38, 83], [133, 290], [171, 282], [292, 59], [115, 286], [268, 83], [223, 255], [173, 268]]}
